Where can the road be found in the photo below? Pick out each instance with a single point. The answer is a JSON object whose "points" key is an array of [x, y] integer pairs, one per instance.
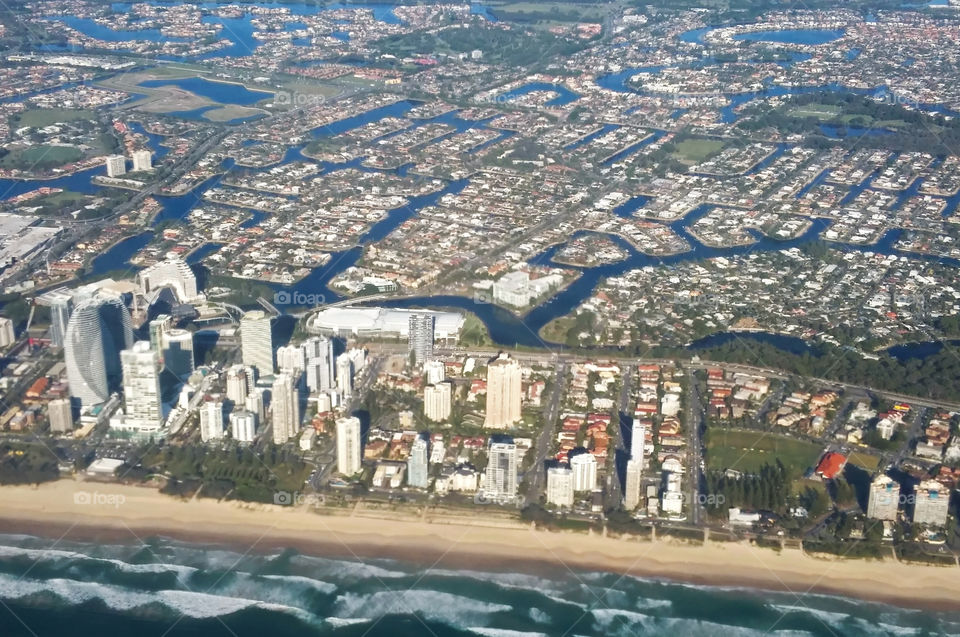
{"points": [[620, 451], [537, 473], [913, 433], [693, 422]]}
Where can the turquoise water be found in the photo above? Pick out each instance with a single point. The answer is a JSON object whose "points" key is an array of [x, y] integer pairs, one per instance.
{"points": [[161, 587]]}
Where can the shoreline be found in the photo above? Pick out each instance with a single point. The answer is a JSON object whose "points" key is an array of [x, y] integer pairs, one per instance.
{"points": [[460, 541]]}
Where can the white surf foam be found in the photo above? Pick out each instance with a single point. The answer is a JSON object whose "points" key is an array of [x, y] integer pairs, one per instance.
{"points": [[454, 610]]}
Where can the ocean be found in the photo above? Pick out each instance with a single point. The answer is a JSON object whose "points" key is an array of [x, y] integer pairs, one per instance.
{"points": [[166, 588]]}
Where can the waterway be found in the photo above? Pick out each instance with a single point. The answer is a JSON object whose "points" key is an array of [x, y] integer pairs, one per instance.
{"points": [[505, 328]]}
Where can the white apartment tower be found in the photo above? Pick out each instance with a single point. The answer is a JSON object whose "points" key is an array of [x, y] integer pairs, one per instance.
{"points": [[141, 389], [420, 332], [254, 403], [243, 425], [116, 165], [237, 385], [284, 408], [638, 435], [436, 401], [345, 374], [320, 364], [500, 480], [349, 446], [211, 420], [884, 498], [256, 342], [7, 335], [932, 504], [435, 372], [60, 414], [584, 467], [631, 490], [560, 486], [504, 390], [291, 359], [418, 465], [142, 160]]}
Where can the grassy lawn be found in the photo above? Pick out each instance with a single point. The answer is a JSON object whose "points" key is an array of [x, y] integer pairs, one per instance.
{"points": [[747, 451], [474, 331], [41, 157], [800, 485], [40, 117], [865, 461], [697, 150], [819, 111]]}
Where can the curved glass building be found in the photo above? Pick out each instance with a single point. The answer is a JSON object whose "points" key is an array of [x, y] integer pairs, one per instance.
{"points": [[98, 330]]}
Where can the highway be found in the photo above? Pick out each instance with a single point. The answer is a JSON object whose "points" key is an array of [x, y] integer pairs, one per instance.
{"points": [[693, 423]]}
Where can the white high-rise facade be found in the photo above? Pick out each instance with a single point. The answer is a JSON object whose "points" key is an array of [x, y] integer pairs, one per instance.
{"points": [[884, 498], [172, 272], [291, 359], [345, 374], [256, 342], [420, 332], [560, 486], [631, 490], [435, 372], [98, 329], [116, 165], [504, 392], [7, 335], [237, 387], [211, 420], [637, 438], [60, 414], [932, 504], [584, 467], [349, 446], [142, 160], [436, 401], [320, 364], [500, 480], [254, 402], [284, 408], [418, 464], [143, 407], [243, 425]]}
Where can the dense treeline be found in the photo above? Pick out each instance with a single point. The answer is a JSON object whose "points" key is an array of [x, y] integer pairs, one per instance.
{"points": [[27, 464], [765, 490], [241, 472], [936, 376]]}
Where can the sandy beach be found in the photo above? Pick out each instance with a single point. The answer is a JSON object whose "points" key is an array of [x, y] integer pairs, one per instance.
{"points": [[111, 512]]}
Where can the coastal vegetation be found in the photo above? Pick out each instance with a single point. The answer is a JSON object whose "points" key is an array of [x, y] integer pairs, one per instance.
{"points": [[25, 463], [233, 472]]}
